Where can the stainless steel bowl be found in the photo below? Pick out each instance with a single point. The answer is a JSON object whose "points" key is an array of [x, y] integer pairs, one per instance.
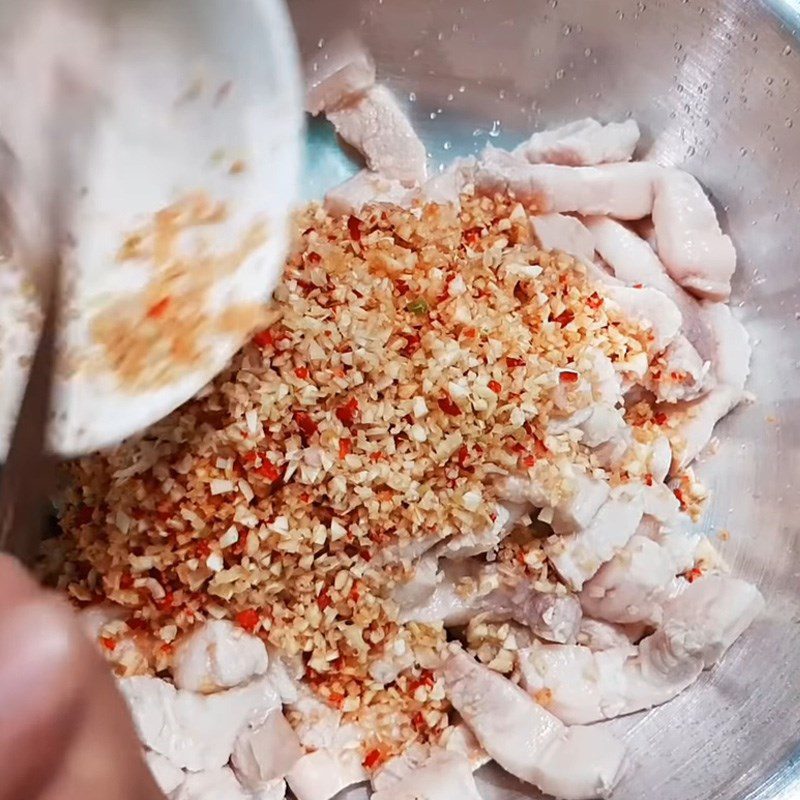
{"points": [[716, 84]]}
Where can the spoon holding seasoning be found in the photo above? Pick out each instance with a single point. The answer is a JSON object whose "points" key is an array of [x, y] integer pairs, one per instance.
{"points": [[183, 173]]}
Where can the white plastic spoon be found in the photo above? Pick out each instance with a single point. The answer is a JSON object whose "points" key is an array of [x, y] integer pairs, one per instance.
{"points": [[183, 181]]}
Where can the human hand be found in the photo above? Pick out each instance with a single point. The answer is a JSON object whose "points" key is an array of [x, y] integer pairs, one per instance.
{"points": [[65, 733]]}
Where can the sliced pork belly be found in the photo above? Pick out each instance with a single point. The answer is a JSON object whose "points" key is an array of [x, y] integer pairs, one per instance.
{"points": [[578, 556], [465, 545], [443, 775], [694, 422], [640, 580], [624, 191], [448, 186], [528, 741], [266, 752], [585, 142], [564, 233], [699, 626], [217, 655], [322, 774], [367, 188], [553, 617], [691, 245], [167, 776], [341, 70], [333, 760], [196, 732], [376, 125]]}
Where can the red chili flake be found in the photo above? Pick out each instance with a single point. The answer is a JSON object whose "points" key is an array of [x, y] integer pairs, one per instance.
{"points": [[305, 497], [166, 602], [348, 412], [203, 549], [248, 619], [126, 581], [565, 317], [418, 721], [355, 593], [250, 458], [679, 494], [263, 339], [314, 258], [324, 600], [463, 455], [660, 418], [307, 425], [336, 699], [529, 461], [412, 344], [471, 235], [108, 643], [268, 470], [302, 373], [495, 387], [638, 286], [594, 301], [566, 376], [648, 479], [375, 457], [521, 558], [345, 448], [513, 363], [365, 554], [693, 574], [136, 624], [372, 759], [354, 228], [656, 373], [470, 333], [402, 287], [449, 407], [84, 515], [159, 309]]}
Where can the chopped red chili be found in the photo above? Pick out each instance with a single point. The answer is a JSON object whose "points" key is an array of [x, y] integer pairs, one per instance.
{"points": [[594, 301], [565, 317], [529, 461], [463, 455], [567, 376], [354, 228], [248, 619], [345, 448], [412, 344], [263, 339], [302, 373], [268, 470], [660, 418], [513, 363], [347, 413], [372, 759], [471, 235], [495, 387], [108, 643], [307, 425], [693, 574], [159, 309], [449, 407], [418, 721], [324, 600]]}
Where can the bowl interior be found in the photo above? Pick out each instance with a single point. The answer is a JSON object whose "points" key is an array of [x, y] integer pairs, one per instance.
{"points": [[716, 87]]}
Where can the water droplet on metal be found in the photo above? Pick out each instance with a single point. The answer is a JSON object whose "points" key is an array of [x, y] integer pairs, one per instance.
{"points": [[788, 122], [559, 74], [412, 97], [787, 50], [495, 130], [566, 30], [462, 89], [587, 52], [321, 43], [447, 145]]}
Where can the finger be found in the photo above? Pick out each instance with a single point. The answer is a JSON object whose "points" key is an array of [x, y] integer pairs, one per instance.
{"points": [[16, 584], [40, 690]]}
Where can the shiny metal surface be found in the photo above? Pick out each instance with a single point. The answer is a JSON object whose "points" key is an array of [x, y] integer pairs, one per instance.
{"points": [[716, 85]]}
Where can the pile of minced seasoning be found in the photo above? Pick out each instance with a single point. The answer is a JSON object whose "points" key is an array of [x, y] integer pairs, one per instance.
{"points": [[414, 357]]}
